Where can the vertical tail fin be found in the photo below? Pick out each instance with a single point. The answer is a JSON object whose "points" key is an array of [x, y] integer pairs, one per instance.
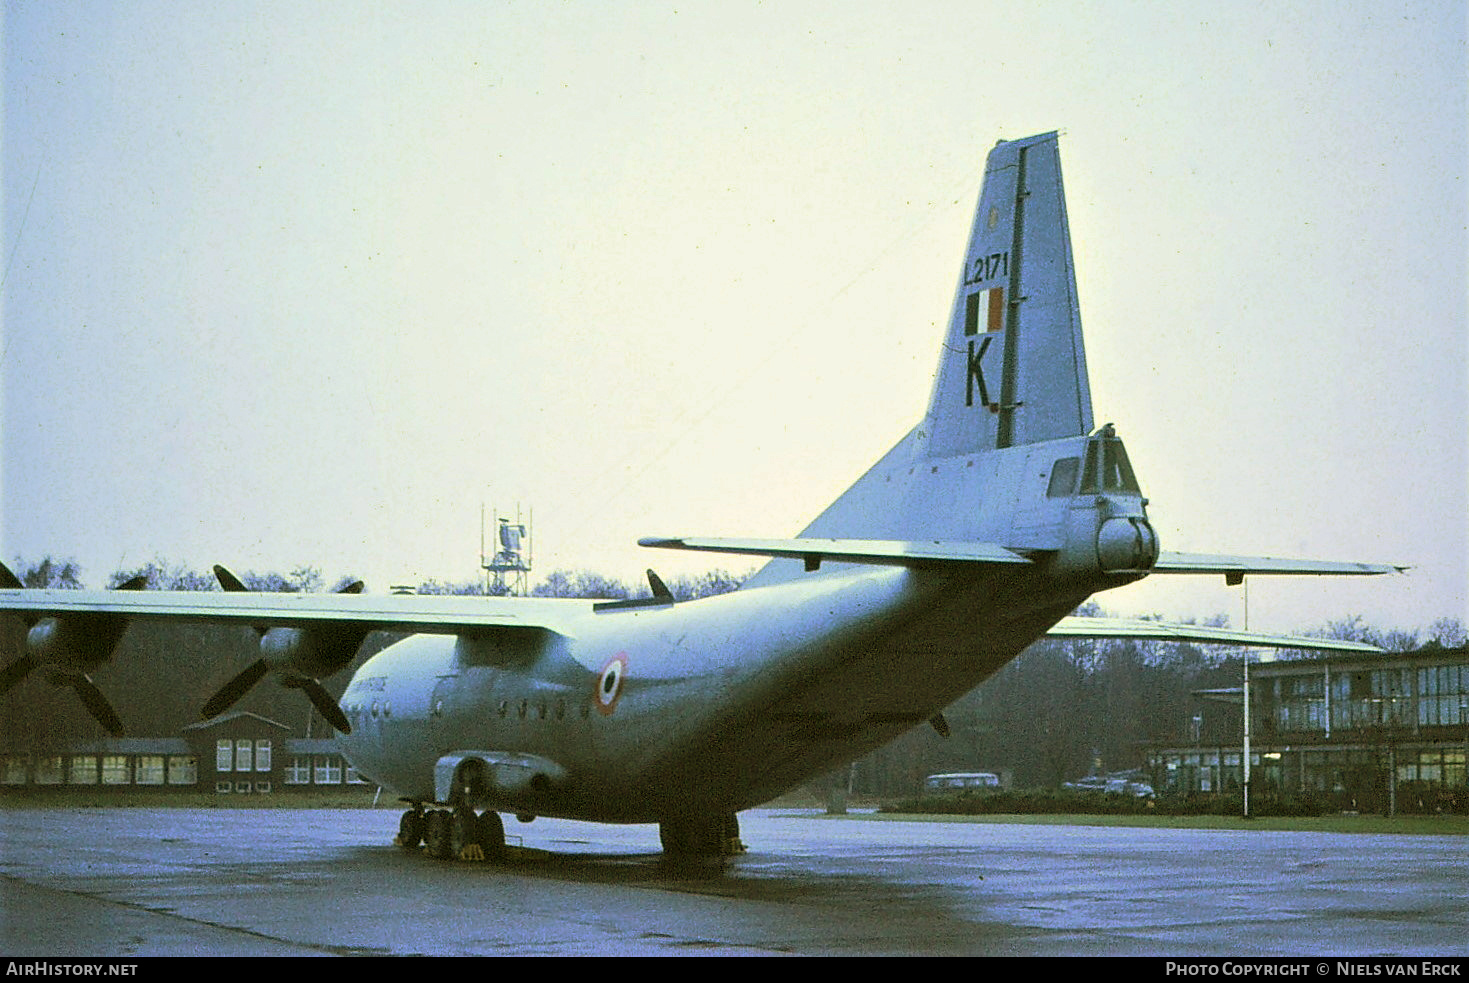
{"points": [[1011, 373], [1012, 370]]}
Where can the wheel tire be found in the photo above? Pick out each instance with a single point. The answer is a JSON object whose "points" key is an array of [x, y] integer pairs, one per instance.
{"points": [[410, 830], [490, 831], [462, 832], [731, 842], [436, 834], [696, 837]]}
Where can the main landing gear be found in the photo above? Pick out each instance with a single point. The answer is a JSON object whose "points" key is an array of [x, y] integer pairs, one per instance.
{"points": [[701, 837], [452, 834]]}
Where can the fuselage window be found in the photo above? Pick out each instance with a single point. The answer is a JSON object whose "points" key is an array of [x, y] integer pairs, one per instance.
{"points": [[1063, 477]]}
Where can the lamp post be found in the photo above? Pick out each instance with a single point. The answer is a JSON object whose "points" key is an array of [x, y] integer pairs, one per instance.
{"points": [[1387, 748], [1262, 656], [1464, 722]]}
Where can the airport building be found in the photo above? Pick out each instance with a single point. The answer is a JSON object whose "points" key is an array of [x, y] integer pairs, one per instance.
{"points": [[1380, 734], [236, 754]]}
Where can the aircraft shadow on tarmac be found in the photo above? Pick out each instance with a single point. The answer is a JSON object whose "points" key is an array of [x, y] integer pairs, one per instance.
{"points": [[750, 877]]}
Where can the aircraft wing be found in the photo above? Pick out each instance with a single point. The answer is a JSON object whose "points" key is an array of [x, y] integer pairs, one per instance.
{"points": [[1130, 628], [1234, 567], [430, 614], [876, 551]]}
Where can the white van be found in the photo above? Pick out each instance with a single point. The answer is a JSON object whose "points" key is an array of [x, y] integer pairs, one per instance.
{"points": [[960, 781]]}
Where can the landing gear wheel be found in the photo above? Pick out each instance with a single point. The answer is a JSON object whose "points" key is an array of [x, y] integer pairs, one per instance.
{"points": [[490, 832], [410, 830], [436, 839], [463, 835], [733, 845], [706, 837]]}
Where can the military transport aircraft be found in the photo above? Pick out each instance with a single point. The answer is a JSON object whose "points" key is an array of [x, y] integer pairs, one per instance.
{"points": [[977, 534]]}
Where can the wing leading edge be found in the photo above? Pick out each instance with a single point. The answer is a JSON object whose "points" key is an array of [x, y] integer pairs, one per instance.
{"points": [[406, 613]]}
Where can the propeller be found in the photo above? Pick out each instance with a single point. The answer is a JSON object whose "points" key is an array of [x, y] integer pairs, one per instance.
{"points": [[300, 657], [68, 648]]}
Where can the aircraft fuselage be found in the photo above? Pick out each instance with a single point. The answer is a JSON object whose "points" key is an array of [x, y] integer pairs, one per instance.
{"points": [[635, 713]]}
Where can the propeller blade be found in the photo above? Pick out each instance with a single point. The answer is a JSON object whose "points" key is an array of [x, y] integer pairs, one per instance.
{"points": [[9, 581], [15, 672], [229, 581], [658, 587], [96, 704], [324, 704], [230, 692]]}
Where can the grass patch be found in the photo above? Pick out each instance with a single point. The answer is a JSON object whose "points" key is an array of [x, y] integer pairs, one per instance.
{"points": [[1413, 825]]}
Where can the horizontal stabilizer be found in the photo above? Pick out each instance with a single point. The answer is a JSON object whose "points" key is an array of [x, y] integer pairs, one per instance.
{"points": [[876, 551], [1236, 567], [1128, 628]]}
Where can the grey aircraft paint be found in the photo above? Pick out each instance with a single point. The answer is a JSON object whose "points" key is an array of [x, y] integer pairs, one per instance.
{"points": [[976, 535]]}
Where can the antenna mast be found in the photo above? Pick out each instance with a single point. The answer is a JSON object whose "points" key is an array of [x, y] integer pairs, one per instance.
{"points": [[507, 568]]}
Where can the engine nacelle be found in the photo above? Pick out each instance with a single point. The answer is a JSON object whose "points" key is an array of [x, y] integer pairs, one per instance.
{"points": [[314, 653]]}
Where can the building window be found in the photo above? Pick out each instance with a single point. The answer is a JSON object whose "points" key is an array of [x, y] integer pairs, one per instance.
{"points": [[116, 769], [13, 770], [84, 770], [262, 756], [243, 788], [1443, 699], [49, 769], [298, 772], [1300, 703], [224, 755], [262, 788], [183, 769], [242, 755], [328, 769], [1370, 699], [149, 769], [223, 788]]}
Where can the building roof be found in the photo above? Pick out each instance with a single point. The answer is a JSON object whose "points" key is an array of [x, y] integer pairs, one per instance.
{"points": [[230, 718]]}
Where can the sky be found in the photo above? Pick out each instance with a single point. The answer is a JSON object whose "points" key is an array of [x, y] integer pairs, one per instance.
{"points": [[317, 284]]}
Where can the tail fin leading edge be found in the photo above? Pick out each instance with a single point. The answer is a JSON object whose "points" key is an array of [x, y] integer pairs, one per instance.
{"points": [[1012, 370]]}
